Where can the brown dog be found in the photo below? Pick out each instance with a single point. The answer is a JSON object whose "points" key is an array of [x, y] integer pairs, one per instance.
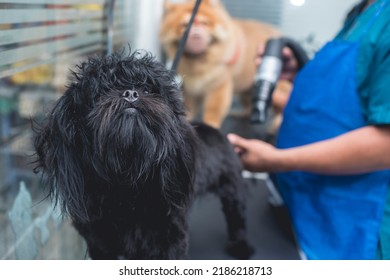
{"points": [[219, 57]]}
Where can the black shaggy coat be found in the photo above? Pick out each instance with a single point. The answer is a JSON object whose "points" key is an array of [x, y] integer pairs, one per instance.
{"points": [[120, 157]]}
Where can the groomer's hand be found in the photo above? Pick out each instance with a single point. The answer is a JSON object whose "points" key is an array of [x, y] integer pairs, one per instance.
{"points": [[255, 155], [290, 63]]}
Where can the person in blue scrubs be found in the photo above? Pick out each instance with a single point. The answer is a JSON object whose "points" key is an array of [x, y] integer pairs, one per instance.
{"points": [[331, 160]]}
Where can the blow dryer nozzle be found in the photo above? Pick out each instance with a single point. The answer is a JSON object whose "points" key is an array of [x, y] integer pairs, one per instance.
{"points": [[268, 74]]}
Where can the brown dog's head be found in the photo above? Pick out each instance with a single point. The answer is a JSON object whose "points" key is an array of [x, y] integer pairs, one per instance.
{"points": [[210, 26]]}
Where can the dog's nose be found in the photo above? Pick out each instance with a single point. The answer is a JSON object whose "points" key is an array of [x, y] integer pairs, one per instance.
{"points": [[130, 95]]}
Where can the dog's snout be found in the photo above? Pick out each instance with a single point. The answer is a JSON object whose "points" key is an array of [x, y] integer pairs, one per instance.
{"points": [[130, 95]]}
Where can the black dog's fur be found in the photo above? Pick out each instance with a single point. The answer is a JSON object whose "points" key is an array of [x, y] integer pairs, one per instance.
{"points": [[125, 164]]}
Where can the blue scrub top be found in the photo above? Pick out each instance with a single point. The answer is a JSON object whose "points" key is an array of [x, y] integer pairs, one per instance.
{"points": [[373, 62], [373, 80]]}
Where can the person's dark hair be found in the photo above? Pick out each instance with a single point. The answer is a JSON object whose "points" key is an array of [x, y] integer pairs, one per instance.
{"points": [[356, 10]]}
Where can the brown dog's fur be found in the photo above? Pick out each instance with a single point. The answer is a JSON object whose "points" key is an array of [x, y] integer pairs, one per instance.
{"points": [[219, 57]]}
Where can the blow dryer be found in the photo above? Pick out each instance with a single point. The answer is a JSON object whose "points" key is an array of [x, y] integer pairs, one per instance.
{"points": [[269, 72]]}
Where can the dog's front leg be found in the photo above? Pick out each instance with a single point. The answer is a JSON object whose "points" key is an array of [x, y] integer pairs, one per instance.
{"points": [[97, 253], [192, 104], [234, 210], [217, 103]]}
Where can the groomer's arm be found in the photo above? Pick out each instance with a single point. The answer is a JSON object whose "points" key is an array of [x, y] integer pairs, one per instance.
{"points": [[362, 150]]}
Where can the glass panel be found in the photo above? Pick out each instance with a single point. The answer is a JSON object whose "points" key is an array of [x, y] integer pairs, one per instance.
{"points": [[57, 2], [32, 34], [13, 36], [29, 16], [47, 50], [30, 229], [39, 43]]}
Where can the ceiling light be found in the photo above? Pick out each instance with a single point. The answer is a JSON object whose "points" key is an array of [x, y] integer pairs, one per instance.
{"points": [[297, 3]]}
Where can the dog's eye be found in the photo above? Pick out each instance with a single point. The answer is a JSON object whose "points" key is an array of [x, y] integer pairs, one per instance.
{"points": [[146, 92]]}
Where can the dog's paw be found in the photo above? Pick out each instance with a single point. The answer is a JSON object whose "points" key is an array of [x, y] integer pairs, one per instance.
{"points": [[241, 249]]}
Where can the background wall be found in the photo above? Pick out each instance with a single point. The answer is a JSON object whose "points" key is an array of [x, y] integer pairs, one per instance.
{"points": [[315, 22], [320, 18], [149, 15]]}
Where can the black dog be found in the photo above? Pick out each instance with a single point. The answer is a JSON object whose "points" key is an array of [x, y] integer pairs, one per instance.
{"points": [[125, 164]]}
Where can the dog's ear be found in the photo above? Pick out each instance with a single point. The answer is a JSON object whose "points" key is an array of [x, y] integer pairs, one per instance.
{"points": [[60, 150]]}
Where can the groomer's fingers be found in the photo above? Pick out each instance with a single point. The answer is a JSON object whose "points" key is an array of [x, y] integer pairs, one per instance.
{"points": [[239, 143], [287, 53], [290, 65], [235, 139], [259, 54]]}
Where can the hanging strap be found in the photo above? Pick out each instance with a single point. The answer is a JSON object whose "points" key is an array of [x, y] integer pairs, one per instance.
{"points": [[110, 26], [183, 40]]}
